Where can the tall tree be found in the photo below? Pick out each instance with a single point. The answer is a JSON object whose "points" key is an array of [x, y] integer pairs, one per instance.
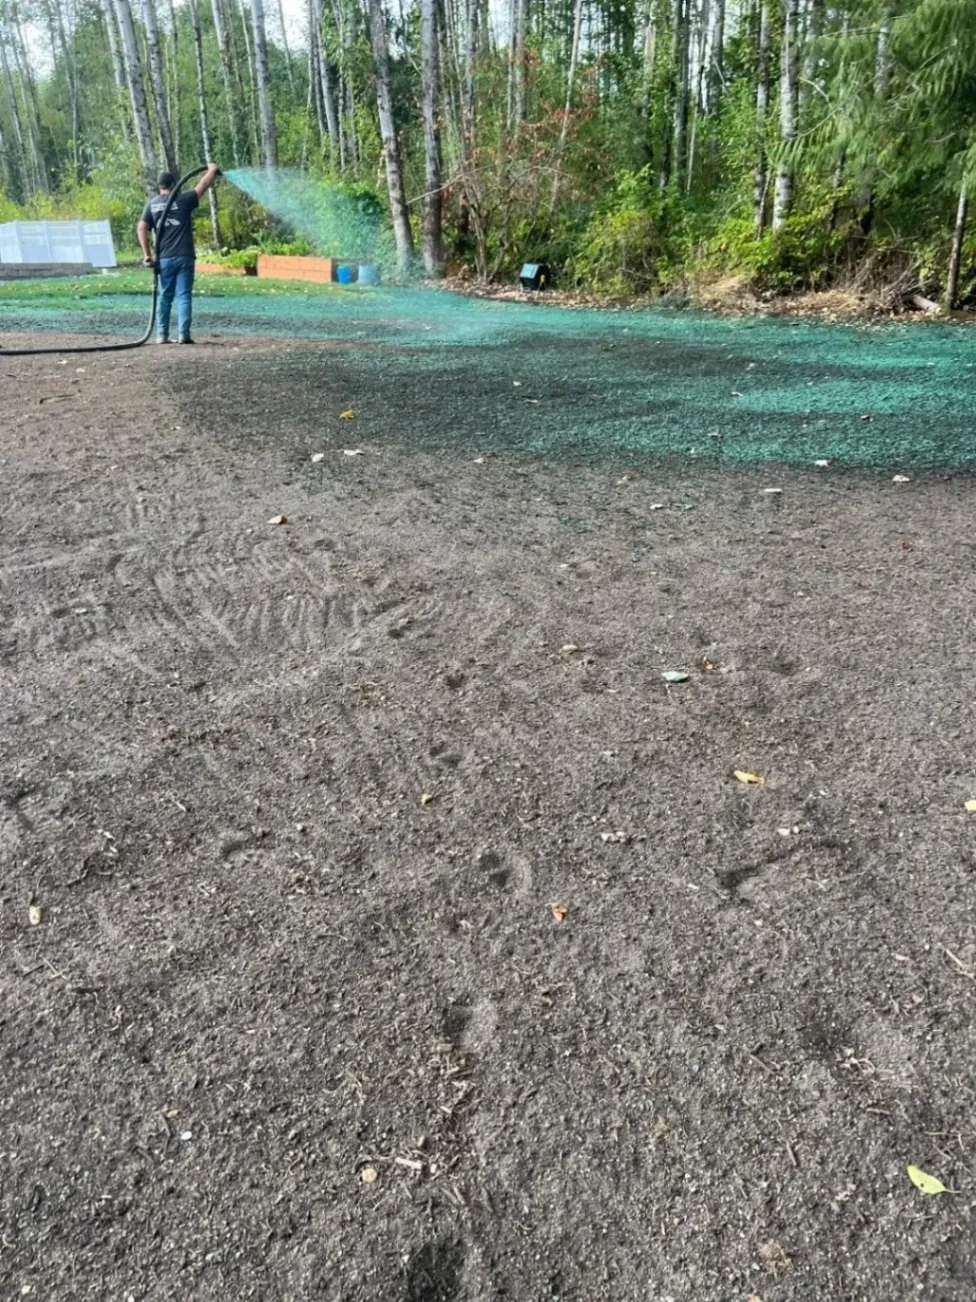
{"points": [[269, 135], [158, 85], [118, 70], [955, 255], [173, 97], [783, 194], [760, 176], [564, 126], [204, 116], [430, 78], [391, 148], [679, 129], [60, 46], [26, 172], [137, 91], [326, 78], [715, 76], [517, 73], [222, 29]]}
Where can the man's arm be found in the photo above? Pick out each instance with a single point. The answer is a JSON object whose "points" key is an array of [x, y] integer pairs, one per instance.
{"points": [[207, 180], [142, 230]]}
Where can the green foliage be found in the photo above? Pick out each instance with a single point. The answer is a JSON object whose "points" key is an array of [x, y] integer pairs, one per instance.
{"points": [[620, 250], [886, 138], [803, 255]]}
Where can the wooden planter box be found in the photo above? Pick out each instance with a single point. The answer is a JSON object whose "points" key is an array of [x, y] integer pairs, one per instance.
{"points": [[279, 267], [221, 269]]}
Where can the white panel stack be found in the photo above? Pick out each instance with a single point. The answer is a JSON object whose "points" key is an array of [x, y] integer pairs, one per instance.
{"points": [[72, 243]]}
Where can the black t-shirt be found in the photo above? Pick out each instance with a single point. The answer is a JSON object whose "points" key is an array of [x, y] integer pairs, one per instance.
{"points": [[176, 241]]}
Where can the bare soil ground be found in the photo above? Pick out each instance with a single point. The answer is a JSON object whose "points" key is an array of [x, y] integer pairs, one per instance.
{"points": [[398, 932]]}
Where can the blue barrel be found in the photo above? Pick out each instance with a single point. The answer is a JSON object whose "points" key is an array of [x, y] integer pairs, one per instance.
{"points": [[369, 273], [344, 275]]}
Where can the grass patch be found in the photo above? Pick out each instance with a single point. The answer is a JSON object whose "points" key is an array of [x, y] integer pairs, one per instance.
{"points": [[136, 280]]}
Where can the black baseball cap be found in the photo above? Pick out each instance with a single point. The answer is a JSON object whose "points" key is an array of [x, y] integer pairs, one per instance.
{"points": [[166, 181]]}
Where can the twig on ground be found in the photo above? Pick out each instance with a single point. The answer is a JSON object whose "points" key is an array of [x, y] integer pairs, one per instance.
{"points": [[963, 969]]}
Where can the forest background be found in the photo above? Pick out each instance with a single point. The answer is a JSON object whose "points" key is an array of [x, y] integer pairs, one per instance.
{"points": [[637, 146]]}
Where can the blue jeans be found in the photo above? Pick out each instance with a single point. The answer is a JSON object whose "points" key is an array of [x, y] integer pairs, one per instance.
{"points": [[175, 280]]}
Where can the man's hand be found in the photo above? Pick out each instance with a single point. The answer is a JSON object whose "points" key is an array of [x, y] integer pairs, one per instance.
{"points": [[148, 260], [207, 180]]}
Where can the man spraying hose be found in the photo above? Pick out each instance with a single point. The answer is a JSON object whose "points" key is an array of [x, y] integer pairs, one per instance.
{"points": [[174, 250]]}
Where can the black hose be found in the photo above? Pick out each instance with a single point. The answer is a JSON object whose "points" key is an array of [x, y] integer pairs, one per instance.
{"points": [[129, 343]]}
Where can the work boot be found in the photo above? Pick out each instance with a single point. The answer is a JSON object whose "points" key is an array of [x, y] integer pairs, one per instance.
{"points": [[185, 339], [162, 339]]}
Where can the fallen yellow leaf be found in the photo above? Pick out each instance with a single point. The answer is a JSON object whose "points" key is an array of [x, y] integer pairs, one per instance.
{"points": [[426, 798], [368, 1174], [750, 779], [971, 806], [34, 915], [928, 1184], [559, 911], [347, 415], [278, 519]]}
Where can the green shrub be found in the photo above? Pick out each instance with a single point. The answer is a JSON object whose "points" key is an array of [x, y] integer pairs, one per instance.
{"points": [[633, 243], [618, 251], [803, 254]]}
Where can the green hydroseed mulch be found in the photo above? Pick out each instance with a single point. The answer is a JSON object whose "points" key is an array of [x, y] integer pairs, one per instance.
{"points": [[535, 378]]}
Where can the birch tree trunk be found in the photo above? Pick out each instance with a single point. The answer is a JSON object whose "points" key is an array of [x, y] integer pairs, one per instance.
{"points": [[326, 83], [564, 127], [955, 256], [760, 177], [813, 21], [173, 77], [470, 60], [347, 38], [521, 78], [289, 73], [60, 43], [118, 71], [430, 76], [7, 174], [204, 119], [223, 44], [15, 119], [516, 64], [249, 98], [158, 85], [29, 105], [783, 195], [313, 42], [882, 76], [679, 131], [269, 137], [137, 91], [714, 78], [649, 53], [391, 149], [882, 61]]}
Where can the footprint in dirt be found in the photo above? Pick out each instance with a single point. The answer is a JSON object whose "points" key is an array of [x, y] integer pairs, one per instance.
{"points": [[434, 1272]]}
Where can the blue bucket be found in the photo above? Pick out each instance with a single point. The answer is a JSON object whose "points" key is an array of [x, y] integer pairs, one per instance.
{"points": [[369, 274], [344, 275]]}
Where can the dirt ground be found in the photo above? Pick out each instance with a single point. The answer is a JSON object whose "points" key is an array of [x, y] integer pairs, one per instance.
{"points": [[377, 922]]}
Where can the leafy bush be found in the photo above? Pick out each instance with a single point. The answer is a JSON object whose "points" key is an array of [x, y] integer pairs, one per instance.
{"points": [[804, 254], [283, 248], [630, 244]]}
